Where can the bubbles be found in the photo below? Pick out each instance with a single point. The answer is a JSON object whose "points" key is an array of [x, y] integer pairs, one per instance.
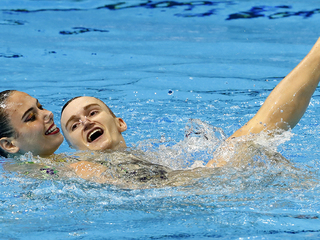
{"points": [[201, 140], [170, 92], [27, 157], [2, 105], [278, 137]]}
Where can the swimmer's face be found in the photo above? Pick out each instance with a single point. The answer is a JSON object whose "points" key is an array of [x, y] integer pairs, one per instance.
{"points": [[87, 124], [34, 125]]}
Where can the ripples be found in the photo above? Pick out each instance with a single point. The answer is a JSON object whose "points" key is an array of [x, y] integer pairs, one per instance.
{"points": [[256, 12], [189, 9], [12, 22], [163, 66], [187, 6], [78, 30], [262, 197], [268, 198], [11, 55]]}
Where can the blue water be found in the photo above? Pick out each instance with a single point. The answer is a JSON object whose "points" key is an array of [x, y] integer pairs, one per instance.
{"points": [[158, 64]]}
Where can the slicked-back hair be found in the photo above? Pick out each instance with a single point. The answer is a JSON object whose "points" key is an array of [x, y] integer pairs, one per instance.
{"points": [[6, 128], [67, 103]]}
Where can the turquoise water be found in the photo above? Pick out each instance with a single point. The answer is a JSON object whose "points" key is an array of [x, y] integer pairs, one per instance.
{"points": [[158, 64]]}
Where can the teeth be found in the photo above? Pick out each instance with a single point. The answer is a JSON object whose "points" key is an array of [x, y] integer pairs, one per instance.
{"points": [[97, 130], [92, 134], [52, 129]]}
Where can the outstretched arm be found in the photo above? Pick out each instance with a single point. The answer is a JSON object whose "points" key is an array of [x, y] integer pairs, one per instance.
{"points": [[285, 105], [289, 100]]}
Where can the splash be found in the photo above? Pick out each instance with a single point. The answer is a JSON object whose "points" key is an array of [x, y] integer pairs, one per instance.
{"points": [[200, 142]]}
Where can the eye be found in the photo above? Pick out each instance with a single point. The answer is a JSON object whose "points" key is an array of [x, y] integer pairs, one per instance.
{"points": [[74, 126], [31, 117], [92, 113], [40, 107]]}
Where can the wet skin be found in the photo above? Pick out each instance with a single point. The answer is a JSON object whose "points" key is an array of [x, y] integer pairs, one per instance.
{"points": [[87, 124], [36, 131]]}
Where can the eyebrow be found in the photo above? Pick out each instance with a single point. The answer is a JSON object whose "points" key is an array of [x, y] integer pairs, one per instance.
{"points": [[29, 110], [70, 120], [74, 116], [90, 105]]}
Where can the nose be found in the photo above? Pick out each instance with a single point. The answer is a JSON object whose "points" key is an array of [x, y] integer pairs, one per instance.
{"points": [[48, 116], [86, 123]]}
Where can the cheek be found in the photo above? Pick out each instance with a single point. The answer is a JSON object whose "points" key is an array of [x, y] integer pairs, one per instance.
{"points": [[31, 130], [75, 137]]}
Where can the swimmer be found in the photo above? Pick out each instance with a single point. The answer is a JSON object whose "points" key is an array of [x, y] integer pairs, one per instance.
{"points": [[88, 124], [25, 126], [282, 110]]}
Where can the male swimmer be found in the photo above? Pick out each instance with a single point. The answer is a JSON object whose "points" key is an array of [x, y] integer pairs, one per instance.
{"points": [[88, 124]]}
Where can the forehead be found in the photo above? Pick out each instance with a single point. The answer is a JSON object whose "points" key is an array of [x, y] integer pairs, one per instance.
{"points": [[18, 101], [77, 105], [19, 97]]}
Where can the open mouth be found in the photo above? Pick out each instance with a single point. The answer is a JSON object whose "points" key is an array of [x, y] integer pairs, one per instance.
{"points": [[53, 129], [95, 134]]}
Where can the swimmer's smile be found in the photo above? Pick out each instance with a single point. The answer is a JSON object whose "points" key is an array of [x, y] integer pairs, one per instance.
{"points": [[94, 134], [53, 129]]}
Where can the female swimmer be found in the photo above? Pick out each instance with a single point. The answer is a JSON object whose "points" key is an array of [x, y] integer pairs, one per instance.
{"points": [[25, 126]]}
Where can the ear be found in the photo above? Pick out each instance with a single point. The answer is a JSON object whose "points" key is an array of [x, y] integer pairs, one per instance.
{"points": [[7, 144], [122, 126]]}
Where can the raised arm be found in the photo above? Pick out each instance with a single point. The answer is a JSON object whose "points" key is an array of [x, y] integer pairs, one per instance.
{"points": [[289, 100], [285, 105]]}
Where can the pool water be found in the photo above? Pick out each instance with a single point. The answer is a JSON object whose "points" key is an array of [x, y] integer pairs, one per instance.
{"points": [[164, 66]]}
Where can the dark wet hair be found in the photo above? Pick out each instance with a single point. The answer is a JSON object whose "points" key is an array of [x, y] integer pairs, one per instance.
{"points": [[67, 103], [6, 129]]}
